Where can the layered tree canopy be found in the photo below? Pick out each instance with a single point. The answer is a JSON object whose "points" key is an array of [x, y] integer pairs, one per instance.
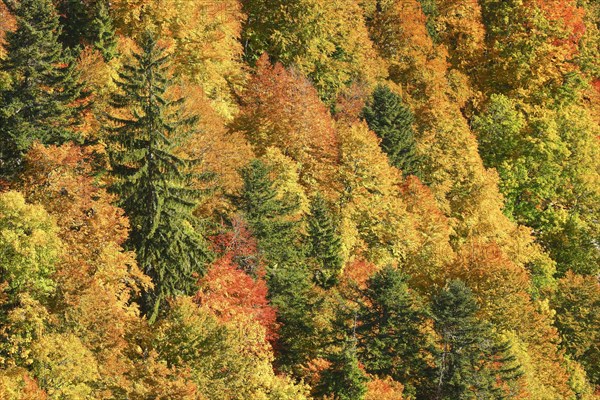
{"points": [[299, 199]]}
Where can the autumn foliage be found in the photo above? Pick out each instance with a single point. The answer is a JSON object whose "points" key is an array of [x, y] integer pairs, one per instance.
{"points": [[293, 200]]}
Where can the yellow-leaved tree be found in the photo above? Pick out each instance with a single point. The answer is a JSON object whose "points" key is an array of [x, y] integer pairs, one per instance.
{"points": [[326, 40], [205, 36]]}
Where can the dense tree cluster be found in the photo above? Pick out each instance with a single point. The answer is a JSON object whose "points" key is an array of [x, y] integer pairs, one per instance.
{"points": [[299, 199]]}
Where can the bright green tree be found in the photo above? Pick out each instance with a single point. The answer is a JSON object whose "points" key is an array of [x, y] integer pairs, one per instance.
{"points": [[326, 40], [156, 186], [392, 121], [29, 251], [471, 362], [225, 360], [29, 247], [39, 103], [324, 243], [577, 305], [548, 162]]}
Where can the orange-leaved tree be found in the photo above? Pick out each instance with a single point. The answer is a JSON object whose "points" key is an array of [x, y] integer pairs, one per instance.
{"points": [[282, 109]]}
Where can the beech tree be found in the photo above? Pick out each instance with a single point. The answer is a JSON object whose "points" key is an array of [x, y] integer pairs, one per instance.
{"points": [[546, 160], [577, 303], [29, 248], [326, 40], [231, 361], [282, 110], [231, 293], [370, 186], [96, 278], [205, 40]]}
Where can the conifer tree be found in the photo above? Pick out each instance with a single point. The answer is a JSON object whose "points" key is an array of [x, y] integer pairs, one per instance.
{"points": [[75, 22], [268, 216], [471, 362], [103, 32], [343, 379], [87, 22], [292, 293], [390, 339], [291, 290], [324, 243], [155, 185], [392, 121], [39, 103]]}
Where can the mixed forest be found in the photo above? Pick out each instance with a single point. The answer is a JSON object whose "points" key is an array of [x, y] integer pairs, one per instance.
{"points": [[299, 199]]}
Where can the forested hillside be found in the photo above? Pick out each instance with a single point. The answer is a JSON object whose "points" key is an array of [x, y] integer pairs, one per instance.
{"points": [[299, 199]]}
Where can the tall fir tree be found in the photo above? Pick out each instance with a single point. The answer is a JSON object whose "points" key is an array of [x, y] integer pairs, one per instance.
{"points": [[74, 20], [155, 185], [325, 244], [390, 337], [392, 121], [471, 361], [293, 295], [291, 290], [43, 99]]}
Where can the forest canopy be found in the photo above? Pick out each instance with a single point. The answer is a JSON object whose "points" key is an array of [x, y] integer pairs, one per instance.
{"points": [[300, 199]]}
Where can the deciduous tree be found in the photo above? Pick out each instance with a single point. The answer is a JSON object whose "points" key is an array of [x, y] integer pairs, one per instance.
{"points": [[577, 305], [281, 109], [326, 40]]}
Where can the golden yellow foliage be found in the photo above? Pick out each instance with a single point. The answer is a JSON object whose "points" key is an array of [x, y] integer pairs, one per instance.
{"points": [[205, 36]]}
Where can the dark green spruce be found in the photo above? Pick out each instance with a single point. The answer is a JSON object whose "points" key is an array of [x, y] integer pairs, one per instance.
{"points": [[343, 380], [43, 99], [391, 342], [103, 32], [392, 121], [291, 289], [324, 247], [269, 217], [88, 23], [155, 186], [471, 360]]}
